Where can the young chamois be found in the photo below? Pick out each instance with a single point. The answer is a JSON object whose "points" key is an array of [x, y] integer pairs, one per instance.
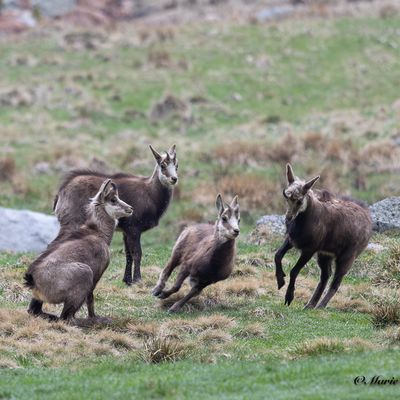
{"points": [[149, 196], [317, 222], [68, 271], [205, 252]]}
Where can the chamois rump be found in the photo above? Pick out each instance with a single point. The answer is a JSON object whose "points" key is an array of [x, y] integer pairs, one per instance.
{"points": [[336, 228], [68, 271], [205, 253], [149, 196]]}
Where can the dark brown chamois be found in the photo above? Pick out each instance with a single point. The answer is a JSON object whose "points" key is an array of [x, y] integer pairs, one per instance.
{"points": [[205, 252], [149, 196], [68, 271], [318, 222]]}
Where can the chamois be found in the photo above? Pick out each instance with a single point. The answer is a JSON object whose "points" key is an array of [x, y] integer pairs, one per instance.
{"points": [[149, 196], [336, 228], [205, 252], [68, 271]]}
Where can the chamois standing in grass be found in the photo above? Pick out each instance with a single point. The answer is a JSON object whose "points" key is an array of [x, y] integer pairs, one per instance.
{"points": [[149, 196], [68, 271], [205, 253], [317, 222]]}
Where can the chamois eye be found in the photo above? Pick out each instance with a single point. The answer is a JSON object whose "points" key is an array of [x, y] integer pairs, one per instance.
{"points": [[113, 200], [225, 219], [163, 167], [298, 202]]}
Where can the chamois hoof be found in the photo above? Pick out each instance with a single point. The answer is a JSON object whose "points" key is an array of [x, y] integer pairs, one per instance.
{"points": [[137, 279], [309, 306], [288, 299], [281, 282], [156, 291], [127, 281], [162, 295]]}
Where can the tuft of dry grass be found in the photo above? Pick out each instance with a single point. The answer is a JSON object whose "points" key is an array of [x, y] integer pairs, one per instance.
{"points": [[7, 169], [388, 272], [255, 330], [158, 349], [285, 149], [242, 287], [386, 308], [215, 336], [391, 336], [325, 345]]}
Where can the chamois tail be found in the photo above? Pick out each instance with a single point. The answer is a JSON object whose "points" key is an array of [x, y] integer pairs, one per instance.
{"points": [[29, 282]]}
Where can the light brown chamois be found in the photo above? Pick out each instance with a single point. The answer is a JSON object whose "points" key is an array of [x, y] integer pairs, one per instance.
{"points": [[205, 253], [68, 271], [149, 196], [317, 222]]}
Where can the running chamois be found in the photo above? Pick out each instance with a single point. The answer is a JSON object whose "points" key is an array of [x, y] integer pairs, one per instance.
{"points": [[335, 228], [149, 196], [205, 253], [68, 271]]}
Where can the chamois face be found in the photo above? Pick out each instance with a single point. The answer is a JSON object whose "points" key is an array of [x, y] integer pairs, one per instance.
{"points": [[107, 197], [296, 193], [167, 166], [228, 220]]}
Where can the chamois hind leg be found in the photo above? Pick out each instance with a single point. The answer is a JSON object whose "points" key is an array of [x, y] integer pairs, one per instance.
{"points": [[280, 275], [71, 306], [173, 262], [194, 291], [343, 265], [301, 262], [133, 250], [182, 275], [325, 264], [35, 308], [90, 305]]}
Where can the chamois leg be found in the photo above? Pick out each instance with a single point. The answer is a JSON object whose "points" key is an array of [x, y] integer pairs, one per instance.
{"points": [[35, 308], [280, 275], [165, 274], [71, 306], [129, 260], [90, 305], [194, 291], [342, 267], [182, 275], [301, 262], [133, 249], [325, 263]]}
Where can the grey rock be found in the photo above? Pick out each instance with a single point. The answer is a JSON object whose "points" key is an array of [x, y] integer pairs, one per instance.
{"points": [[386, 214], [23, 230], [54, 8], [274, 223]]}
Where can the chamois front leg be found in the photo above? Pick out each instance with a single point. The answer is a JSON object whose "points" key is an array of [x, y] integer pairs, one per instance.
{"points": [[301, 262], [165, 274], [183, 274], [129, 260], [280, 275]]}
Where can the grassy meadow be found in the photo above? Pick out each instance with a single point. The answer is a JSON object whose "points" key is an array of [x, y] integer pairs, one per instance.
{"points": [[239, 101]]}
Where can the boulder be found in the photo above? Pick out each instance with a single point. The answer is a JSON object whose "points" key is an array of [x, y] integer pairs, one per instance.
{"points": [[386, 214], [23, 230]]}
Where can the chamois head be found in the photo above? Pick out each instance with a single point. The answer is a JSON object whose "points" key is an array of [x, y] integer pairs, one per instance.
{"points": [[296, 192], [107, 197], [167, 166], [227, 225]]}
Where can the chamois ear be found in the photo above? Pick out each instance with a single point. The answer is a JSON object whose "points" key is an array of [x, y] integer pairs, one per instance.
{"points": [[156, 155], [104, 189], [289, 174], [219, 204], [235, 203], [172, 151], [308, 185]]}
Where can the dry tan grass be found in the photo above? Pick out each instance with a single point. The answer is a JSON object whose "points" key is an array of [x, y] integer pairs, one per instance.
{"points": [[215, 336], [255, 330], [385, 309]]}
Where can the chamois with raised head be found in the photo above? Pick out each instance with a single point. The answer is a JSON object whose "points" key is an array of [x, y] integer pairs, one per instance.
{"points": [[68, 271], [149, 196], [317, 222], [205, 253]]}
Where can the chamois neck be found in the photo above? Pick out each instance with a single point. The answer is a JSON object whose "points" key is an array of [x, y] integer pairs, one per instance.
{"points": [[155, 183], [103, 223]]}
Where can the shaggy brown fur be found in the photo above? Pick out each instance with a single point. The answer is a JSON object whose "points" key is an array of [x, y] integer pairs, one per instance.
{"points": [[149, 196], [334, 228], [68, 271], [205, 253]]}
